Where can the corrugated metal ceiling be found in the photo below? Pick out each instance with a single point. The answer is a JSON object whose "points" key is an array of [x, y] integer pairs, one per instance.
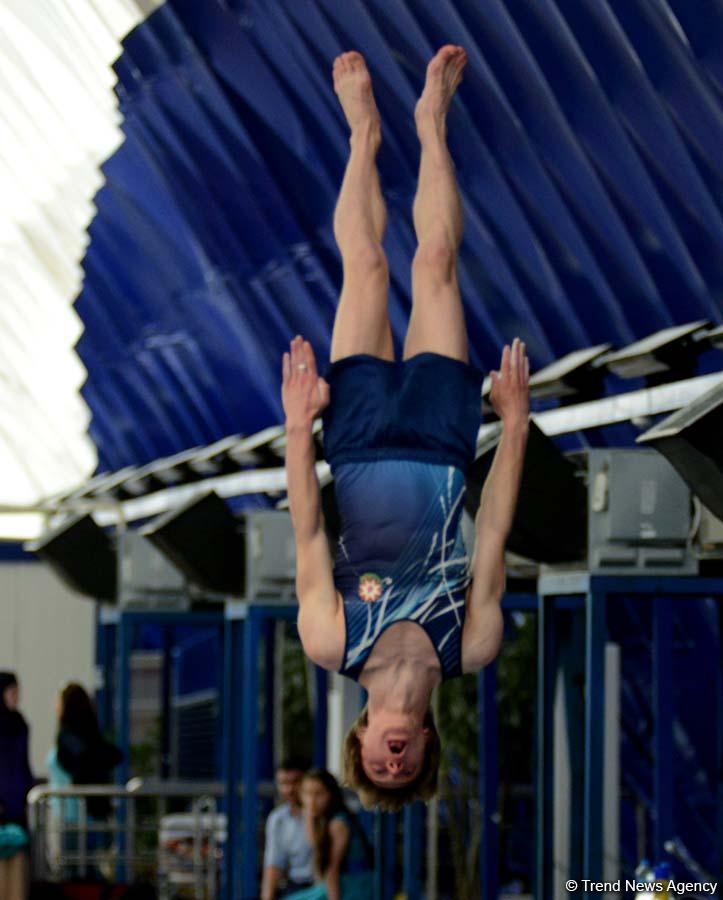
{"points": [[587, 138]]}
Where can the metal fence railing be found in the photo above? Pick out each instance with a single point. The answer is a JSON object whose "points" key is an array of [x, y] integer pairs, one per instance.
{"points": [[169, 834]]}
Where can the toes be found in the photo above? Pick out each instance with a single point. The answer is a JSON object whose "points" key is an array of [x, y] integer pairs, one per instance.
{"points": [[350, 58], [349, 61]]}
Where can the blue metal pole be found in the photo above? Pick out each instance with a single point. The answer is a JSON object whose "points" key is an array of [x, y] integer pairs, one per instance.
{"points": [[165, 755], [266, 738], [385, 829], [232, 680], [413, 851], [250, 755], [320, 715], [572, 665], [106, 656], [594, 734], [488, 782], [125, 649], [719, 730], [663, 718], [546, 671]]}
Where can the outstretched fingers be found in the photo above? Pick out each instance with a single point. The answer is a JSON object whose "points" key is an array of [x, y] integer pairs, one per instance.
{"points": [[309, 360]]}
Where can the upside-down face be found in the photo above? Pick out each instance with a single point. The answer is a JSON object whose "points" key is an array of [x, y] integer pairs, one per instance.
{"points": [[392, 749]]}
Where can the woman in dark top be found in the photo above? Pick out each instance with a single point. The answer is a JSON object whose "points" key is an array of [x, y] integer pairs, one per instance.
{"points": [[81, 748], [342, 853], [88, 758], [16, 779]]}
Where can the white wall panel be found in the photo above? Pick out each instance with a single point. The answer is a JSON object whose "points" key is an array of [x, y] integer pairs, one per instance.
{"points": [[47, 636]]}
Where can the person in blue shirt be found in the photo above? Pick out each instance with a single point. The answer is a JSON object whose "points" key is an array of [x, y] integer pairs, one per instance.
{"points": [[342, 852], [287, 852], [401, 606]]}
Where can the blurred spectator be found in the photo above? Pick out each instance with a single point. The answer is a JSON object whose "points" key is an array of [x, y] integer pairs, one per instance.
{"points": [[343, 859], [288, 853], [81, 756], [16, 779]]}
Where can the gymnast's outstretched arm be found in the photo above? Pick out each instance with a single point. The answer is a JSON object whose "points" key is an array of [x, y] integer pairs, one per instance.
{"points": [[483, 621], [305, 395]]}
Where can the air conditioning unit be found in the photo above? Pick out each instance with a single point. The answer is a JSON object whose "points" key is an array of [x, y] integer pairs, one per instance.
{"points": [[147, 579], [639, 515], [270, 556]]}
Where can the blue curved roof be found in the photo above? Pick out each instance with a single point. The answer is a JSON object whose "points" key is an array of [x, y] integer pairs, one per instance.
{"points": [[587, 140]]}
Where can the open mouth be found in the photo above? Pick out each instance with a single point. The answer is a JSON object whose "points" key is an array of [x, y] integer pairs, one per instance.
{"points": [[396, 746]]}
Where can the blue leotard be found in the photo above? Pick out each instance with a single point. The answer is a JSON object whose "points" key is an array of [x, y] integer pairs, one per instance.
{"points": [[399, 437]]}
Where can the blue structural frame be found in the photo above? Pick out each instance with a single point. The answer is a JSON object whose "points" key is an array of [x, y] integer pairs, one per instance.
{"points": [[127, 621], [115, 635], [247, 756], [248, 749], [593, 592], [106, 647]]}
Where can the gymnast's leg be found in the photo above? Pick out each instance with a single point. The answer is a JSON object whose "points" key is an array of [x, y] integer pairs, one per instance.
{"points": [[437, 321], [361, 324]]}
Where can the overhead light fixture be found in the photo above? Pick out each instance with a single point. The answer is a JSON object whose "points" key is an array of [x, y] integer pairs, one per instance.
{"points": [[111, 483], [671, 351], [713, 337], [212, 460], [570, 376], [84, 557], [690, 440], [551, 515], [256, 450], [202, 538]]}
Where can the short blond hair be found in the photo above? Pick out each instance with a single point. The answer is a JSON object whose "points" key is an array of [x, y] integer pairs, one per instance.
{"points": [[390, 799]]}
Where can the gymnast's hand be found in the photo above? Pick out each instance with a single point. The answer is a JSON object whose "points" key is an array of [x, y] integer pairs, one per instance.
{"points": [[304, 393], [510, 386]]}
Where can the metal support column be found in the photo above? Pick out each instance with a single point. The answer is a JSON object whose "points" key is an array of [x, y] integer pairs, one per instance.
{"points": [[546, 677], [571, 749], [250, 755], [321, 687], [165, 754], [385, 830], [232, 706], [663, 719], [106, 655], [595, 633], [719, 731], [125, 650], [488, 782], [126, 633], [269, 697], [413, 851]]}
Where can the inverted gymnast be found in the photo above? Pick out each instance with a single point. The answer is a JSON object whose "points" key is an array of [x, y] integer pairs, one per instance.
{"points": [[401, 607]]}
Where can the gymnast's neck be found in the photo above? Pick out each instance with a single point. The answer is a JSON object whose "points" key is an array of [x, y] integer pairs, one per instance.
{"points": [[400, 686]]}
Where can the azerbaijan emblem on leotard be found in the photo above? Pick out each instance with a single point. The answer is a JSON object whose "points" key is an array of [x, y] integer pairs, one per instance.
{"points": [[370, 587]]}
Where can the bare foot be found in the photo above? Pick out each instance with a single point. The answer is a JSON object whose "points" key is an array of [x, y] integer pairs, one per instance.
{"points": [[353, 86], [444, 74]]}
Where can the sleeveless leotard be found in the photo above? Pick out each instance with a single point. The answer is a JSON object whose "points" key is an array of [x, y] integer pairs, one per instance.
{"points": [[399, 437]]}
